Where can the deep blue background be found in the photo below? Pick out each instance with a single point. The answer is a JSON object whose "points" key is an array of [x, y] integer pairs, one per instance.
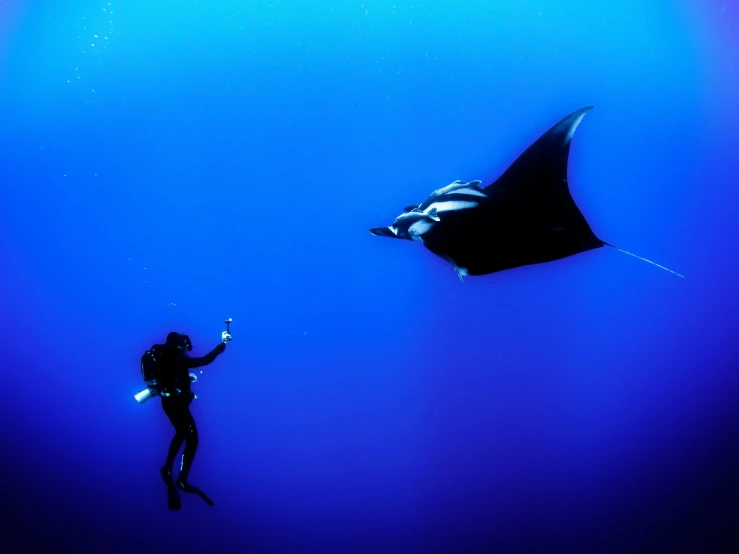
{"points": [[202, 160]]}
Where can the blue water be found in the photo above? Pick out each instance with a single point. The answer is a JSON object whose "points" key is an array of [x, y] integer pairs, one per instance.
{"points": [[166, 165]]}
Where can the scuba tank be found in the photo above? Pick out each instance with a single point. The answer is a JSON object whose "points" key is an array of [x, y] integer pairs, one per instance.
{"points": [[150, 375]]}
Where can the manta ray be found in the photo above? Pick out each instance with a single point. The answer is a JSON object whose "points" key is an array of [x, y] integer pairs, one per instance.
{"points": [[527, 216]]}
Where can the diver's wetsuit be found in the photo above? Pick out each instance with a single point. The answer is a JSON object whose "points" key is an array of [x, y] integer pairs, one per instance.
{"points": [[175, 376]]}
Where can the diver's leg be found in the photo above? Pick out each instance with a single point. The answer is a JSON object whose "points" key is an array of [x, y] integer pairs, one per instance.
{"points": [[174, 448], [174, 413], [178, 415], [191, 445]]}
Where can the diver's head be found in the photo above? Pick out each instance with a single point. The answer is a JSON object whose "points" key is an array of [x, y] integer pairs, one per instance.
{"points": [[179, 342]]}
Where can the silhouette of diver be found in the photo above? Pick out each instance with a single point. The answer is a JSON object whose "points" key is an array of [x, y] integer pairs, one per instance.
{"points": [[173, 364]]}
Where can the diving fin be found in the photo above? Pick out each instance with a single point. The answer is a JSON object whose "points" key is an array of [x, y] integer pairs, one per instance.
{"points": [[184, 486]]}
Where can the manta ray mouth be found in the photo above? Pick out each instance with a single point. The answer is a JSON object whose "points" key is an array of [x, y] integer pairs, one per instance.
{"points": [[383, 232]]}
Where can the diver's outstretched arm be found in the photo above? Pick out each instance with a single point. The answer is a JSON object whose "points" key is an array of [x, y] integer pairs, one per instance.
{"points": [[208, 358]]}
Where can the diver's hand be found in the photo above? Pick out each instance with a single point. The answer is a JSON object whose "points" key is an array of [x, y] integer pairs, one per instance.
{"points": [[193, 378], [221, 347], [225, 337]]}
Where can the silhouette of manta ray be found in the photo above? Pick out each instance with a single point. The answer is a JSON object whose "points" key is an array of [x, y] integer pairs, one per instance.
{"points": [[527, 216]]}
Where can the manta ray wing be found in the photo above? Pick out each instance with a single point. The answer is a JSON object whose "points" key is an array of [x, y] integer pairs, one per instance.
{"points": [[529, 216]]}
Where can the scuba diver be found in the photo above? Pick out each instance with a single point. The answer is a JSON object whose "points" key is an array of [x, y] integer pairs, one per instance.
{"points": [[165, 368]]}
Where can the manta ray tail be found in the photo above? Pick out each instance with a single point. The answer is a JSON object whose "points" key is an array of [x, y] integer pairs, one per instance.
{"points": [[644, 260]]}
